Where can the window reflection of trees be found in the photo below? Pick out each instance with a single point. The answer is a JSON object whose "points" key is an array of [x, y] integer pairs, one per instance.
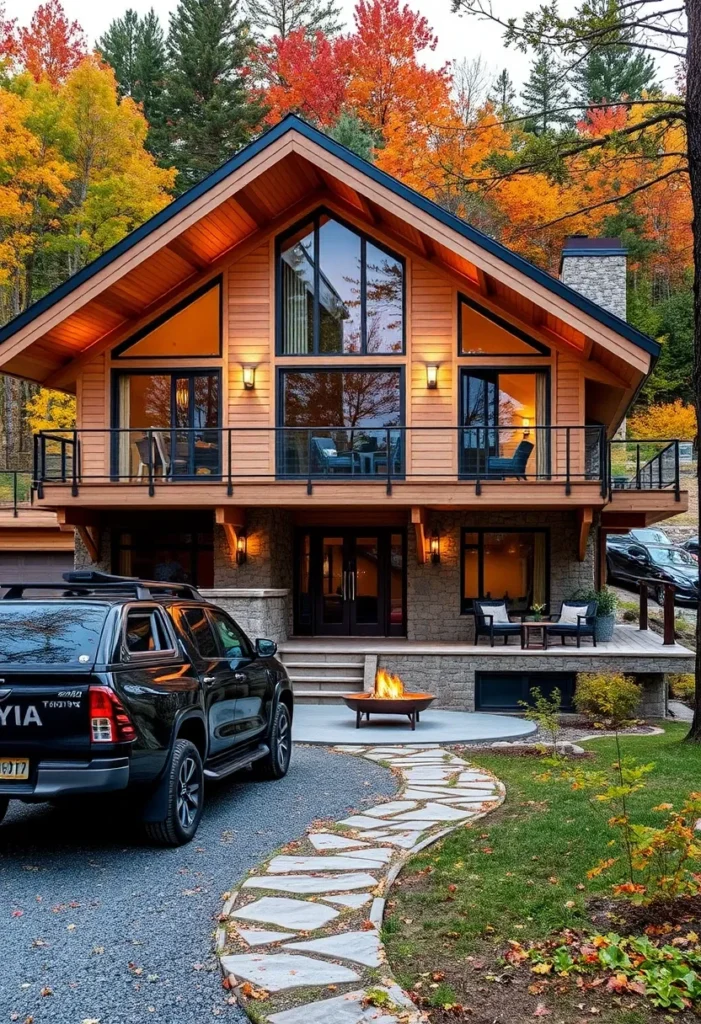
{"points": [[342, 399], [48, 635]]}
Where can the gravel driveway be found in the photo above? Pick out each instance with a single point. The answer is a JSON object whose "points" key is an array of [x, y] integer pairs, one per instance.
{"points": [[117, 930]]}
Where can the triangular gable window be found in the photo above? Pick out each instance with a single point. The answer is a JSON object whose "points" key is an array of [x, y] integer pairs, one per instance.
{"points": [[482, 333], [191, 329]]}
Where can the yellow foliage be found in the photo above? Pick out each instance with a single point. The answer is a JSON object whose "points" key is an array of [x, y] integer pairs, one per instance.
{"points": [[50, 410], [667, 420]]}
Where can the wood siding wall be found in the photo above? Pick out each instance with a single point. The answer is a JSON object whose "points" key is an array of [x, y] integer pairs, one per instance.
{"points": [[249, 338]]}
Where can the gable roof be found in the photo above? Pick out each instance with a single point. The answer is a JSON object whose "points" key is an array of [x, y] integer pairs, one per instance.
{"points": [[292, 123]]}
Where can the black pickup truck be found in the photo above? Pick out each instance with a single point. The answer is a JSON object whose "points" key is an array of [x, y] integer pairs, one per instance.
{"points": [[109, 683]]}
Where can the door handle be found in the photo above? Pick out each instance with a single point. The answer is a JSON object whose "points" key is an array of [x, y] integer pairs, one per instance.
{"points": [[239, 677], [345, 585], [353, 577], [209, 679]]}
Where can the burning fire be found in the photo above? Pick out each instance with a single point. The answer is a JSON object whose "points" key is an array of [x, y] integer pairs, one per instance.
{"points": [[387, 686]]}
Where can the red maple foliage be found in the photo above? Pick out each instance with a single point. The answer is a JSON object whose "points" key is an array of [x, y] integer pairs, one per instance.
{"points": [[301, 74], [52, 45]]}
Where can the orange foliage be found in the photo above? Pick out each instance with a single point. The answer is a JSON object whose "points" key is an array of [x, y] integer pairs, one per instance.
{"points": [[51, 46], [301, 74]]}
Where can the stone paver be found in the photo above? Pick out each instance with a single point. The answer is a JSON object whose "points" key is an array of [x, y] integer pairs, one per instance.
{"points": [[310, 884], [358, 947], [276, 971], [350, 868], [296, 914]]}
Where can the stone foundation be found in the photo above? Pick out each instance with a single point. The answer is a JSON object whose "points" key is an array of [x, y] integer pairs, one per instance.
{"points": [[261, 613]]}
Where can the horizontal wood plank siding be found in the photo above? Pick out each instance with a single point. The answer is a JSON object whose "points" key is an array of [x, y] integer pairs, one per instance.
{"points": [[432, 326], [249, 325], [93, 413], [569, 411]]}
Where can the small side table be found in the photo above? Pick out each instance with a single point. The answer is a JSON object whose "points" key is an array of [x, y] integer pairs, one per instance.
{"points": [[534, 635]]}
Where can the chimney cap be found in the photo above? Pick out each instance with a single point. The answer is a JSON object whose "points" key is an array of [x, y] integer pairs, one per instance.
{"points": [[584, 245]]}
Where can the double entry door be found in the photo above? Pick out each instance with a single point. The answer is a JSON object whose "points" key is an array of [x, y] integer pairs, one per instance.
{"points": [[351, 582]]}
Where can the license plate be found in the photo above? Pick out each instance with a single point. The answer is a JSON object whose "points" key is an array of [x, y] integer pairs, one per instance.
{"points": [[14, 768]]}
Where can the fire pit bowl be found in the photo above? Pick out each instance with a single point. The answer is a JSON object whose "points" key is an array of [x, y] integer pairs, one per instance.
{"points": [[410, 704]]}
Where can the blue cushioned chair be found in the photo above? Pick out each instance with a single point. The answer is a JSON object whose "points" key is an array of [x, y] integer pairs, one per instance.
{"points": [[583, 627], [486, 626], [513, 466]]}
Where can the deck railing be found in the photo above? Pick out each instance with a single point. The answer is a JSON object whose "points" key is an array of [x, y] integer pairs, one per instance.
{"points": [[476, 455], [644, 466], [15, 490]]}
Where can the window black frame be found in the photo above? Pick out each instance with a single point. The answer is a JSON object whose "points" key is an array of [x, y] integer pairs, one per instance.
{"points": [[496, 372], [545, 681], [467, 603], [174, 373], [121, 351], [314, 221], [280, 405], [539, 350]]}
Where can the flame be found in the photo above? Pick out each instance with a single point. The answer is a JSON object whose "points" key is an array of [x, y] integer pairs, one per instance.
{"points": [[388, 686]]}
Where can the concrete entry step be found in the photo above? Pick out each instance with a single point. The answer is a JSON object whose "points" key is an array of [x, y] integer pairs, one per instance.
{"points": [[335, 681], [321, 678], [324, 666]]}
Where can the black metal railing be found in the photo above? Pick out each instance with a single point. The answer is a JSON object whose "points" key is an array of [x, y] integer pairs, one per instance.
{"points": [[157, 457], [15, 490], [644, 466]]}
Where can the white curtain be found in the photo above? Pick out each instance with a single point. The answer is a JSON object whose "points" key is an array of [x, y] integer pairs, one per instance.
{"points": [[125, 439], [542, 446], [296, 320]]}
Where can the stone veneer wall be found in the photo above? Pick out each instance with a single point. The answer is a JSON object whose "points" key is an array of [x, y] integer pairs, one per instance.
{"points": [[260, 612], [452, 676], [433, 591], [600, 278]]}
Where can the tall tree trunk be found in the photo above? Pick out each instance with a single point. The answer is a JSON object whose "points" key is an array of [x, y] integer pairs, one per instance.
{"points": [[693, 128]]}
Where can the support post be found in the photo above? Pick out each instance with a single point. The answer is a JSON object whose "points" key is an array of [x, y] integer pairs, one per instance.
{"points": [[585, 517], [233, 520], [418, 518], [642, 614], [668, 615]]}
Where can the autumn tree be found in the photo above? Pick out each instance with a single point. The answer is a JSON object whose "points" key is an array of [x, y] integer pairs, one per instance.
{"points": [[210, 112], [301, 73], [50, 410], [670, 419], [282, 17], [51, 46]]}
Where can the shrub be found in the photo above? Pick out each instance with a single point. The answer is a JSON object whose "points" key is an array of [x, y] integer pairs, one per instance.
{"points": [[545, 712], [608, 697], [606, 600], [682, 686]]}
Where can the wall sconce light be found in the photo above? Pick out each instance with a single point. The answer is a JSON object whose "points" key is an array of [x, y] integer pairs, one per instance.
{"points": [[241, 548], [526, 427], [435, 547], [432, 375], [249, 376]]}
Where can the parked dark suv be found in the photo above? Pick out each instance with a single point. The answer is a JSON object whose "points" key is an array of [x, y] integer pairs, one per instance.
{"points": [[109, 683]]}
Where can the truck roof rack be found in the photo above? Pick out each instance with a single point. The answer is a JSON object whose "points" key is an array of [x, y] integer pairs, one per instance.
{"points": [[92, 581]]}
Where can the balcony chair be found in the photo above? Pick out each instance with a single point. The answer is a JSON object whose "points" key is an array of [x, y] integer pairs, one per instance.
{"points": [[329, 458], [172, 465], [576, 619], [498, 466], [492, 620], [379, 460]]}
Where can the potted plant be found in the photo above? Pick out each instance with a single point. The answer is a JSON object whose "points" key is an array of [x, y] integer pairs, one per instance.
{"points": [[606, 602], [537, 613]]}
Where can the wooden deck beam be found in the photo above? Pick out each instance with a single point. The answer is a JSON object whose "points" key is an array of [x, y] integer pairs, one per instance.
{"points": [[585, 517], [418, 518]]}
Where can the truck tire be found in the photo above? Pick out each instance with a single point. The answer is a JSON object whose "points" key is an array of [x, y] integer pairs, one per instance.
{"points": [[275, 764], [184, 784]]}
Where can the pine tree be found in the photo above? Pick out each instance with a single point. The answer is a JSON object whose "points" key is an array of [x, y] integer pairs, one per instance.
{"points": [[354, 134], [280, 17], [502, 94], [616, 70], [210, 115], [545, 94], [135, 48]]}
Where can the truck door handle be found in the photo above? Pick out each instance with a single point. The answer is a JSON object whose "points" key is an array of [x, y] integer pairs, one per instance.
{"points": [[209, 679], [240, 677]]}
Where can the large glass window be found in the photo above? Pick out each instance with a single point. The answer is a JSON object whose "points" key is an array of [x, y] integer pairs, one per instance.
{"points": [[508, 564], [481, 333], [192, 328], [340, 294], [341, 422], [505, 416], [168, 424]]}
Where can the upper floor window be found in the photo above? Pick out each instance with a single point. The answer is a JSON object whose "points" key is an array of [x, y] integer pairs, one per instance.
{"points": [[482, 333], [339, 293], [192, 328]]}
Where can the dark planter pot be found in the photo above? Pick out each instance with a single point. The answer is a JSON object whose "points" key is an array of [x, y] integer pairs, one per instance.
{"points": [[603, 628]]}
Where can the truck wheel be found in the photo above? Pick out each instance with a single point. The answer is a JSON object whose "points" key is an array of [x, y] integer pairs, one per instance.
{"points": [[4, 804], [659, 596], [184, 783], [275, 764]]}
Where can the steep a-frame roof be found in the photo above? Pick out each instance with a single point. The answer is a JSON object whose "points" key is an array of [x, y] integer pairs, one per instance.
{"points": [[288, 166]]}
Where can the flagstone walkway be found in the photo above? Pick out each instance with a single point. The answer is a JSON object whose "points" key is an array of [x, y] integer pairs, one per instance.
{"points": [[301, 937]]}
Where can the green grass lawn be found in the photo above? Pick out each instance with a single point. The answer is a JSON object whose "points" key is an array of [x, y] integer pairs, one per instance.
{"points": [[7, 487], [520, 873]]}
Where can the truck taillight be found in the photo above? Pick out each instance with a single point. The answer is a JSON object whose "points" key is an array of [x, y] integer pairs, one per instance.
{"points": [[109, 722]]}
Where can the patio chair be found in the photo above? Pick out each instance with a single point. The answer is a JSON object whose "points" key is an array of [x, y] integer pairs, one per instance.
{"points": [[146, 458], [329, 458], [379, 464], [576, 619], [492, 620], [513, 466], [171, 465]]}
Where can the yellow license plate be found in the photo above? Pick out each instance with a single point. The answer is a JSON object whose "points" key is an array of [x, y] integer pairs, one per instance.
{"points": [[14, 768]]}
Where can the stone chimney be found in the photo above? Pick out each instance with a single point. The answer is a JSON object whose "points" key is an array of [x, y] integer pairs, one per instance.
{"points": [[596, 267]]}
